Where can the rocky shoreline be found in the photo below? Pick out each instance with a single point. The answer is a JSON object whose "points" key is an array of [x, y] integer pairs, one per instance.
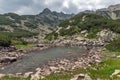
{"points": [[69, 63], [9, 55], [74, 61]]}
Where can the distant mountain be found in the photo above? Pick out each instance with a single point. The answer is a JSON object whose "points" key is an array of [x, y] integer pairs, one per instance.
{"points": [[49, 18], [41, 23], [88, 11], [112, 11]]}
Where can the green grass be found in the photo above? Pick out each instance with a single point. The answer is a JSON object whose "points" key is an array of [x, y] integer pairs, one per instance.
{"points": [[105, 69], [63, 75], [92, 23], [101, 70], [24, 46], [114, 46], [110, 53], [13, 78]]}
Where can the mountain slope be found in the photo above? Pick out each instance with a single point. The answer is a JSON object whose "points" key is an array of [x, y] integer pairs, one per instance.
{"points": [[47, 17], [112, 11], [90, 24], [14, 26]]}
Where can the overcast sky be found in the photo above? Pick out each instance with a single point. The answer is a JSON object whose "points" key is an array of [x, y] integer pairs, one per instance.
{"points": [[67, 6]]}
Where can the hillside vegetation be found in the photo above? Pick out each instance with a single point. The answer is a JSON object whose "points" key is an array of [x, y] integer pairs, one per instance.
{"points": [[7, 38], [91, 22], [15, 27], [114, 46]]}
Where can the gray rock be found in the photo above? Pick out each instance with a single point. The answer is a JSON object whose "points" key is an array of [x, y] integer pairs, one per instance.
{"points": [[8, 60], [116, 73], [28, 74], [81, 77], [2, 75], [40, 45]]}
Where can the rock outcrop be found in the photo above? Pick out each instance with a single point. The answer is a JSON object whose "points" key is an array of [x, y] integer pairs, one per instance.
{"points": [[116, 73], [106, 36]]}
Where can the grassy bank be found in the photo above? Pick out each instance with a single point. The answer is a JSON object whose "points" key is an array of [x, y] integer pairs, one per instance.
{"points": [[14, 78], [27, 46], [101, 71]]}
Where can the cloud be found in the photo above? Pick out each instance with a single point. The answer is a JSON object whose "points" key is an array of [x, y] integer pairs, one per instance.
{"points": [[67, 6]]}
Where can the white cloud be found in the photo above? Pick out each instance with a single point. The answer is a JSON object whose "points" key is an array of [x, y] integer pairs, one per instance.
{"points": [[24, 10], [68, 6]]}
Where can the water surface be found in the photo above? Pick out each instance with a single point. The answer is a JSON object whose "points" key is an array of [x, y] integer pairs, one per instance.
{"points": [[35, 59]]}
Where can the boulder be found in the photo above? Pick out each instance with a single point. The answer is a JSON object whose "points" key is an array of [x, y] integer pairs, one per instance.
{"points": [[28, 74], [47, 72], [81, 77], [40, 45], [115, 73], [18, 74], [118, 56], [38, 69], [2, 75], [36, 76], [8, 60], [52, 68]]}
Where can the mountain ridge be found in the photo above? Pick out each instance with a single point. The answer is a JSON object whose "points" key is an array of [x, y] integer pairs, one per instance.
{"points": [[112, 11], [47, 18], [87, 23], [15, 29]]}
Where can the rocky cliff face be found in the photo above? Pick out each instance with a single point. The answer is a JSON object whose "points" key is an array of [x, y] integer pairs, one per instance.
{"points": [[112, 11]]}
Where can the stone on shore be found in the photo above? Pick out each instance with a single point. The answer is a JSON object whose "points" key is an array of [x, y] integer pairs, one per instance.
{"points": [[52, 68], [8, 59], [81, 77], [2, 75], [28, 74], [116, 73]]}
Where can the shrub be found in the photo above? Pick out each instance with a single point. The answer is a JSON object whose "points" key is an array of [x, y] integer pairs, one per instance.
{"points": [[92, 23], [5, 41], [5, 21], [114, 45]]}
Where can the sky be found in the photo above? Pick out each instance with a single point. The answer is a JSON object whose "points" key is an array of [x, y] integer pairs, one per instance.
{"points": [[24, 7]]}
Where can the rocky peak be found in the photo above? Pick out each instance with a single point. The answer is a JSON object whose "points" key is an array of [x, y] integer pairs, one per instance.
{"points": [[46, 11], [51, 18]]}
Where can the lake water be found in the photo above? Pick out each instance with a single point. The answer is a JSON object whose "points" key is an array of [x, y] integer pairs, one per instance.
{"points": [[35, 59]]}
